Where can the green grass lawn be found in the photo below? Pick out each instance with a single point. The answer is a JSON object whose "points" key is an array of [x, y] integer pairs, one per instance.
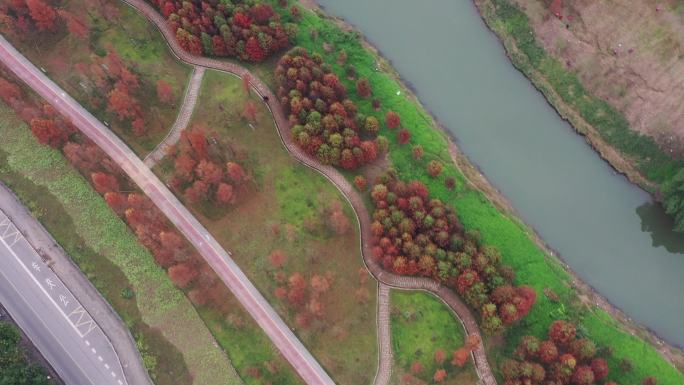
{"points": [[532, 265], [114, 25], [175, 344], [291, 197], [421, 324]]}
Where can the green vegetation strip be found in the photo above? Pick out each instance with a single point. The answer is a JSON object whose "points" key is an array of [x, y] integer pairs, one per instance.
{"points": [[532, 265], [14, 366], [112, 257]]}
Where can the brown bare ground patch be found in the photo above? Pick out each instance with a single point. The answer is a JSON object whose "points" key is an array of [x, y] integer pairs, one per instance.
{"points": [[628, 52]]}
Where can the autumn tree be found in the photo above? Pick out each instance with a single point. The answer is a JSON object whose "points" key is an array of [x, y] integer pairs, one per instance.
{"points": [[440, 375], [360, 182], [225, 193], [363, 88], [47, 132], [440, 356], [392, 120], [434, 168], [165, 92], [249, 111], [182, 274], [403, 136], [44, 15], [104, 182], [75, 25], [277, 258]]}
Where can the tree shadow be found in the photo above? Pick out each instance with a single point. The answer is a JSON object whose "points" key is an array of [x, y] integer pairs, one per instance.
{"points": [[655, 221]]}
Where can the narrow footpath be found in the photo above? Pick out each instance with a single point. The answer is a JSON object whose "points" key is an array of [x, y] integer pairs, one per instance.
{"points": [[182, 119], [385, 355], [460, 309]]}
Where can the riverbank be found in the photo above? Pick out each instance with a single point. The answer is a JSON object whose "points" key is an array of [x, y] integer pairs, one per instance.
{"points": [[475, 178]]}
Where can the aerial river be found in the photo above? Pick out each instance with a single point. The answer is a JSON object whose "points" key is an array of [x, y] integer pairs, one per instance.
{"points": [[605, 228]]}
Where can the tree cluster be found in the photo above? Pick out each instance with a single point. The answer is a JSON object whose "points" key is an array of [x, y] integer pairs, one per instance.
{"points": [[248, 30], [416, 235], [325, 123], [202, 172], [21, 17], [563, 358], [304, 296], [116, 86]]}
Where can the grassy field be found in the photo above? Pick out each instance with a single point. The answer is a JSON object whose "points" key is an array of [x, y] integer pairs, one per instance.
{"points": [[533, 266], [421, 324], [175, 344], [136, 41], [292, 198]]}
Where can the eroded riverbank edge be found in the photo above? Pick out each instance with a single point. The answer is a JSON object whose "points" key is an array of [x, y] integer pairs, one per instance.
{"points": [[477, 180]]}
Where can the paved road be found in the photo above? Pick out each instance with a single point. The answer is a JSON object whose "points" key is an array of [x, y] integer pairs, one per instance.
{"points": [[79, 285], [51, 316], [453, 301], [229, 272]]}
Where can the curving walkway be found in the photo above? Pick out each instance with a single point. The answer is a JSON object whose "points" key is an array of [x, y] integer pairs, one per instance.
{"points": [[182, 119], [460, 309]]}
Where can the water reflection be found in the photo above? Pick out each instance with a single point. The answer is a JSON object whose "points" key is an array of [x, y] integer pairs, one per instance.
{"points": [[655, 221]]}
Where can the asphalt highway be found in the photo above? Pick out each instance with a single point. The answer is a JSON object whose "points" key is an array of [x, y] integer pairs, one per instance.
{"points": [[51, 316], [229, 272]]}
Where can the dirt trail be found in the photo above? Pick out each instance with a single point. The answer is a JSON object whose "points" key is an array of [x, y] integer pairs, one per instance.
{"points": [[459, 308]]}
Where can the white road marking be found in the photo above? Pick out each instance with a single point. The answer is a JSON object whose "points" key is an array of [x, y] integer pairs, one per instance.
{"points": [[39, 285], [93, 350], [100, 358], [87, 343]]}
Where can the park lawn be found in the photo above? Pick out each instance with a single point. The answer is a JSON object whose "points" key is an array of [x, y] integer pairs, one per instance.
{"points": [[288, 196], [175, 343], [533, 265], [420, 325], [113, 25]]}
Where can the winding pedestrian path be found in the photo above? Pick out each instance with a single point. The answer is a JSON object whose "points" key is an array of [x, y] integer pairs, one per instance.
{"points": [[459, 308], [182, 119]]}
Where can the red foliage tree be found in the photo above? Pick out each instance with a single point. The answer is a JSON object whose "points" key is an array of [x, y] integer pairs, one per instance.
{"points": [[434, 168], [277, 258], [236, 172], [104, 183], [249, 111], [583, 375], [197, 192], [164, 92], [416, 367], [403, 136], [182, 274], [185, 167], [440, 356], [254, 50], [360, 182], [225, 194], [363, 88], [208, 172], [392, 120], [600, 368], [562, 332], [47, 132], [338, 222], [116, 201], [121, 103], [460, 357], [9, 91], [548, 352], [440, 375], [42, 14], [75, 25]]}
